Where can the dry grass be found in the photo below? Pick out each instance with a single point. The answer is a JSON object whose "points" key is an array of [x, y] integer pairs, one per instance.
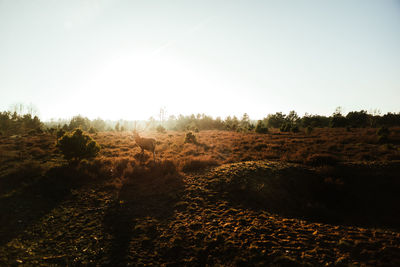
{"points": [[219, 147], [124, 208]]}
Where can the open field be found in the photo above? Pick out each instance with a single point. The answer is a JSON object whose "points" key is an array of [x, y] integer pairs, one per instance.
{"points": [[236, 199]]}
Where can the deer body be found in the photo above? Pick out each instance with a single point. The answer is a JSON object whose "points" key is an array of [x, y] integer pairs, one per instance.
{"points": [[148, 144]]}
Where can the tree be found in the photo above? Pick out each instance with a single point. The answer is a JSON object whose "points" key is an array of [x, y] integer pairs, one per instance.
{"points": [[79, 122], [231, 124], [99, 125], [275, 120], [292, 117], [76, 146], [245, 122], [338, 120], [260, 127], [358, 118]]}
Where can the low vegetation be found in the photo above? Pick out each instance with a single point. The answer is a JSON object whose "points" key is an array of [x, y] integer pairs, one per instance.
{"points": [[76, 146], [250, 196]]}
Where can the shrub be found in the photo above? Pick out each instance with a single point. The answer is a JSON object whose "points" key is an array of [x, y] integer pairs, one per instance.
{"points": [[92, 130], [309, 130], [383, 134], [260, 128], [51, 130], [285, 127], [383, 131], [190, 138], [160, 129], [76, 146], [60, 133], [294, 128]]}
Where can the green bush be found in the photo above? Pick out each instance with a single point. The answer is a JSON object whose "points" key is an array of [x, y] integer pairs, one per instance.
{"points": [[190, 138], [309, 130], [76, 146], [285, 127], [260, 128], [294, 128]]}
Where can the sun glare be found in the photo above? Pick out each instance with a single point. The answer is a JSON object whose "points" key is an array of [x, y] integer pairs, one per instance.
{"points": [[137, 86]]}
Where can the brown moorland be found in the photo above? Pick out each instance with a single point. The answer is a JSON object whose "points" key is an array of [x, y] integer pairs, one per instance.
{"points": [[229, 198]]}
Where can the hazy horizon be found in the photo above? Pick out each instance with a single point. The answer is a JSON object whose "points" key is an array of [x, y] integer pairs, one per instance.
{"points": [[127, 59]]}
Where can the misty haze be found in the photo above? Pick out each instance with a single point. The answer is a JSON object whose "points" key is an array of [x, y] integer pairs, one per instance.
{"points": [[210, 133]]}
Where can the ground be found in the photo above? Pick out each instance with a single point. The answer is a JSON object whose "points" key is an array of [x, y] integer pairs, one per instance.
{"points": [[210, 203]]}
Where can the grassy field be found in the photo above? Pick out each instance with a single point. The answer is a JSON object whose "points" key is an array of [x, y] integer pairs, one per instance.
{"points": [[329, 197]]}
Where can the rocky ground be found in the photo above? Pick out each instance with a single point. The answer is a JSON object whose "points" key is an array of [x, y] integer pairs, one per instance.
{"points": [[195, 223]]}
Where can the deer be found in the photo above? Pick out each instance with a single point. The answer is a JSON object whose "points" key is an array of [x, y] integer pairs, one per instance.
{"points": [[148, 144]]}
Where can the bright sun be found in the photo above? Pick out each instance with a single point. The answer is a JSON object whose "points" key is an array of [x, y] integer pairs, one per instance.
{"points": [[137, 86]]}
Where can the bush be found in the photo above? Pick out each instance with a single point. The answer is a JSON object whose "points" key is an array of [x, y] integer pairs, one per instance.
{"points": [[260, 128], [39, 130], [76, 146], [190, 138], [160, 129], [338, 121], [309, 130], [285, 127], [92, 130], [60, 133], [294, 128], [383, 134], [383, 131]]}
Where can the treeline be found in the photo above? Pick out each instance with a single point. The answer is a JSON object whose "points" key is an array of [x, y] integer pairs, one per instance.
{"points": [[353, 119], [14, 123], [285, 122]]}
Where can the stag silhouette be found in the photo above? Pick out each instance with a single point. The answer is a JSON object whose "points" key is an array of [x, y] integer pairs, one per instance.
{"points": [[148, 144]]}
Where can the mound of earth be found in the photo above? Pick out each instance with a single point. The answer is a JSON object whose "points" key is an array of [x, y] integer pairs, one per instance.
{"points": [[357, 193], [225, 216]]}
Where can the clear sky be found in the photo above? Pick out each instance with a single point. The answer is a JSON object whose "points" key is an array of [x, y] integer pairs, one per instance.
{"points": [[127, 59]]}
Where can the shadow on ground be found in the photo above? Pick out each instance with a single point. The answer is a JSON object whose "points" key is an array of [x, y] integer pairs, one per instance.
{"points": [[148, 195], [351, 194], [30, 193]]}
